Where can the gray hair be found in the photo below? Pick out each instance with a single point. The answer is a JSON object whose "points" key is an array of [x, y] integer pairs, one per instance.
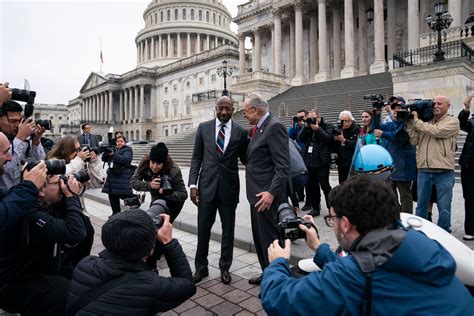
{"points": [[255, 99], [348, 113], [315, 111]]}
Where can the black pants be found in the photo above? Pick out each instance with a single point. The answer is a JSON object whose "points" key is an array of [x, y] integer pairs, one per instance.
{"points": [[114, 200], [318, 177], [41, 295], [264, 231], [467, 182], [206, 217], [343, 173]]}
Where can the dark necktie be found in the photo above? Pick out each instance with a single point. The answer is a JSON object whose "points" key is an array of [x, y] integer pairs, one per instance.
{"points": [[87, 139], [253, 131], [220, 140]]}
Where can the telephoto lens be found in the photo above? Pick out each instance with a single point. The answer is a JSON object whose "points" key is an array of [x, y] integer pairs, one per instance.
{"points": [[157, 208], [46, 124], [54, 166], [166, 184], [82, 176]]}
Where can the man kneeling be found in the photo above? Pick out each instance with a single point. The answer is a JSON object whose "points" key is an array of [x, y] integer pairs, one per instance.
{"points": [[388, 270], [119, 282]]}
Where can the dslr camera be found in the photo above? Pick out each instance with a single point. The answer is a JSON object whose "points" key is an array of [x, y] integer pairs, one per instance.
{"points": [[311, 121], [166, 184], [81, 176], [288, 223], [337, 128], [54, 166], [377, 100], [156, 208], [424, 108], [135, 201]]}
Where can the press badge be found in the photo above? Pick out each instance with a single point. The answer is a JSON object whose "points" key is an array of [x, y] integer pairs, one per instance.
{"points": [[310, 149]]}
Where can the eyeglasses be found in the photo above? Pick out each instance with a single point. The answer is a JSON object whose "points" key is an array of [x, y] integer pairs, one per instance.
{"points": [[329, 220], [247, 109]]}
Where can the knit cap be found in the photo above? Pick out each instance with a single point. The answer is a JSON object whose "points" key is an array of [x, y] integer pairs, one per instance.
{"points": [[159, 153]]}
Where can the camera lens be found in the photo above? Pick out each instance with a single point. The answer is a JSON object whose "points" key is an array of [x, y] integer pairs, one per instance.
{"points": [[55, 166], [157, 208], [82, 176], [166, 184]]}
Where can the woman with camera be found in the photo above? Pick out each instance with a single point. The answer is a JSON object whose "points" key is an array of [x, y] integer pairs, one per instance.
{"points": [[159, 175], [120, 171], [366, 134]]}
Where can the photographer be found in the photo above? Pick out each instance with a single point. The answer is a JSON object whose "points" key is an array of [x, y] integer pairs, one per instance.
{"points": [[117, 282], [436, 140], [5, 93], [151, 171], [397, 142], [19, 130], [293, 132], [466, 161], [317, 138], [42, 251], [120, 171], [345, 144], [384, 273]]}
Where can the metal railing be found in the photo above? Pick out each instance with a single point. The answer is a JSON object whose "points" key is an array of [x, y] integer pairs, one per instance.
{"points": [[425, 55], [214, 95]]}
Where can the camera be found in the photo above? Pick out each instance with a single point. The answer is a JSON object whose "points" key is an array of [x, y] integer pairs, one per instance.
{"points": [[288, 223], [23, 95], [311, 121], [157, 208], [166, 184], [46, 124], [424, 108], [81, 176], [338, 128], [295, 119], [55, 166], [85, 147], [378, 101]]}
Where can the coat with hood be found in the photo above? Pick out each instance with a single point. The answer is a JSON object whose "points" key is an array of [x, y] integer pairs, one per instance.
{"points": [[404, 280]]}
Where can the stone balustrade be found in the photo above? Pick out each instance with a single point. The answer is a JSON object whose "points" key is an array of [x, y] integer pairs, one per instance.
{"points": [[449, 35], [259, 75]]}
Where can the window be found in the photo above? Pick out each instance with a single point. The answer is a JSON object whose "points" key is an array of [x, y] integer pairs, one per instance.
{"points": [[161, 16], [176, 14], [213, 78], [207, 16], [156, 17], [214, 18], [166, 108], [175, 87], [201, 81], [192, 14], [200, 15], [184, 14], [168, 15], [60, 118], [219, 20], [188, 105], [188, 84], [175, 108], [166, 89]]}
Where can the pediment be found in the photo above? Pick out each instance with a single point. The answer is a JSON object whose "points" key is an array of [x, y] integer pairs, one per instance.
{"points": [[94, 80]]}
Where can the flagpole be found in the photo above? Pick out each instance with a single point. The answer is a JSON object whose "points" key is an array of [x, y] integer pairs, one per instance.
{"points": [[101, 54]]}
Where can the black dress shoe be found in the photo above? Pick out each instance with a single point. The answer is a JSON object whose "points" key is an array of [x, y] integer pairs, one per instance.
{"points": [[199, 275], [306, 207], [314, 212], [256, 280], [225, 277]]}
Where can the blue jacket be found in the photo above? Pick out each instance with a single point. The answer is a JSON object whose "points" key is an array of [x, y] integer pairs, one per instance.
{"points": [[418, 279], [118, 177], [403, 153], [293, 133]]}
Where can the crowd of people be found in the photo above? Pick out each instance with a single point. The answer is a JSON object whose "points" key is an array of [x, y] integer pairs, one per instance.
{"points": [[46, 234]]}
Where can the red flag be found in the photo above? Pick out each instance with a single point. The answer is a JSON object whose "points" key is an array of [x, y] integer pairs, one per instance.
{"points": [[101, 58]]}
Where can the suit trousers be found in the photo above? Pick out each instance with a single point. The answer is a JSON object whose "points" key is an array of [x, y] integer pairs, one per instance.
{"points": [[318, 177], [264, 231], [206, 218], [467, 176], [406, 197]]}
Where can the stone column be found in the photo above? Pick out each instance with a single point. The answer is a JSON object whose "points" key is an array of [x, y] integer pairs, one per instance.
{"points": [[323, 43], [198, 43], [188, 45], [379, 64], [241, 54], [153, 100], [299, 56], [336, 40], [94, 102], [180, 45], [454, 9], [391, 28], [277, 42], [111, 113], [208, 42], [152, 48], [99, 108], [363, 67], [413, 23], [138, 53], [313, 45], [137, 105], [216, 41], [170, 47], [120, 115], [424, 9], [349, 62], [89, 108], [103, 107], [272, 52], [257, 47], [160, 47], [292, 48], [130, 104], [142, 103]]}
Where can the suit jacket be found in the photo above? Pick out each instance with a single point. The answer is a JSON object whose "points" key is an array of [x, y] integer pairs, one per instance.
{"points": [[217, 174], [268, 161], [94, 142]]}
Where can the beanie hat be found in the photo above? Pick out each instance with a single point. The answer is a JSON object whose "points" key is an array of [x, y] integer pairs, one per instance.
{"points": [[129, 234], [159, 153]]}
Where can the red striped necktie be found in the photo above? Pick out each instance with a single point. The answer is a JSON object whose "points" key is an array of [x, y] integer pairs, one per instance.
{"points": [[220, 141]]}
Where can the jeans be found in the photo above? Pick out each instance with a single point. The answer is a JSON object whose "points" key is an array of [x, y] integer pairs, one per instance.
{"points": [[444, 182]]}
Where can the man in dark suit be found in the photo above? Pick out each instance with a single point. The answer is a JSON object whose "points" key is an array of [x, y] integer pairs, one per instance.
{"points": [[266, 173], [87, 137], [218, 145]]}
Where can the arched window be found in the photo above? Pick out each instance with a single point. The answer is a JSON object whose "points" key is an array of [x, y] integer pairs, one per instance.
{"points": [[168, 16], [200, 15], [176, 14], [184, 14], [214, 18], [207, 16], [219, 20], [156, 17], [192, 14], [161, 16], [188, 105]]}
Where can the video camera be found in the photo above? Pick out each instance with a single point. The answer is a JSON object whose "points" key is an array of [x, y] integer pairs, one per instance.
{"points": [[378, 101], [54, 166], [288, 223], [156, 208], [424, 108]]}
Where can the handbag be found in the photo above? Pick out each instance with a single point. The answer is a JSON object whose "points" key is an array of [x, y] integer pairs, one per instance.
{"points": [[96, 174]]}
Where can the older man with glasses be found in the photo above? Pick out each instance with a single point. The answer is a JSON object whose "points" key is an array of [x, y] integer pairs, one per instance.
{"points": [[345, 138]]}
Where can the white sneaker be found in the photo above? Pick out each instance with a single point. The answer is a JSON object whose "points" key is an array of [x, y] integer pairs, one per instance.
{"points": [[468, 237]]}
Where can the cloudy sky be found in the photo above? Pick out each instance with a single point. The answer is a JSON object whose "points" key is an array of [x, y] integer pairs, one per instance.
{"points": [[56, 44]]}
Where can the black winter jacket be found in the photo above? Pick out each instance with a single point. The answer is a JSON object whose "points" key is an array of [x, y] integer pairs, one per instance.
{"points": [[346, 151], [467, 124], [118, 177], [320, 142], [145, 293]]}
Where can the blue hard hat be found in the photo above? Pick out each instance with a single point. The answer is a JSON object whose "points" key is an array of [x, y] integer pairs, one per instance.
{"points": [[373, 160]]}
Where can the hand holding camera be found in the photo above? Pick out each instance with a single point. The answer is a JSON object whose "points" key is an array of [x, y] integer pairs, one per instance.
{"points": [[275, 251], [155, 183], [38, 133], [84, 154], [340, 138], [70, 188], [26, 128], [312, 240], [165, 233], [37, 174]]}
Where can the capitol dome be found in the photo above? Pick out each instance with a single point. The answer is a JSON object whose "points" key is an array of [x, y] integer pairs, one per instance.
{"points": [[179, 29]]}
